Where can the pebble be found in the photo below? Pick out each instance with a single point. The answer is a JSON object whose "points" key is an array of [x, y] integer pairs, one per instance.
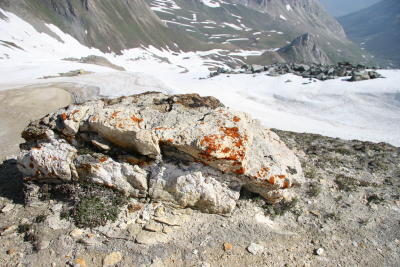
{"points": [[255, 248], [81, 262], [153, 227], [228, 246], [112, 259], [57, 207], [167, 229], [76, 233], [319, 251], [150, 238], [10, 251], [8, 230], [42, 244], [7, 208]]}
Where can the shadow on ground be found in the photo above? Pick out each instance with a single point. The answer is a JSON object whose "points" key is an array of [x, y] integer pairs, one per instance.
{"points": [[11, 184]]}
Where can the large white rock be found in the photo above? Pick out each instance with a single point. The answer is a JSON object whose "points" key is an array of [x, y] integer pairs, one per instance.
{"points": [[50, 161], [181, 128], [195, 185]]}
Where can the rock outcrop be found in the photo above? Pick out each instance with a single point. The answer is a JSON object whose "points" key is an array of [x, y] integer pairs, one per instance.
{"points": [[304, 49], [184, 149]]}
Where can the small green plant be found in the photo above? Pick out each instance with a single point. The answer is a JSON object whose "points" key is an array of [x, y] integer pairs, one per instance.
{"points": [[96, 205], [40, 218], [346, 183], [280, 208], [24, 228], [314, 190], [311, 173]]}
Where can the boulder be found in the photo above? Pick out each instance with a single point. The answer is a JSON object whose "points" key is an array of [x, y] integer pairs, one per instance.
{"points": [[184, 149]]}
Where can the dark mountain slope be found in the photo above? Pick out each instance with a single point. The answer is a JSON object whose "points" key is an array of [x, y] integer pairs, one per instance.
{"points": [[377, 29], [107, 25]]}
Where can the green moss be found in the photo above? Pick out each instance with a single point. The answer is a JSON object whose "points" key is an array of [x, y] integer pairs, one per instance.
{"points": [[96, 206]]}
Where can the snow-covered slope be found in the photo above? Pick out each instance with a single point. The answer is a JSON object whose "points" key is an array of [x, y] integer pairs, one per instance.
{"points": [[368, 110]]}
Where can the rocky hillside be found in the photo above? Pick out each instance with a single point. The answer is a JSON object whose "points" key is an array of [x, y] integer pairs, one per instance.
{"points": [[109, 26], [258, 24], [376, 29], [190, 25]]}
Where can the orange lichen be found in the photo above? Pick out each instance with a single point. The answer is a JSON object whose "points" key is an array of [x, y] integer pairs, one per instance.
{"points": [[236, 119], [64, 116], [286, 184], [226, 150], [262, 172], [232, 132], [170, 140], [136, 119], [103, 159], [271, 180], [115, 114], [282, 176], [241, 170]]}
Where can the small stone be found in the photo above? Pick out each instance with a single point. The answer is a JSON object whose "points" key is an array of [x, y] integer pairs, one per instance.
{"points": [[160, 211], [195, 252], [11, 251], [7, 208], [42, 244], [57, 207], [81, 262], [24, 221], [76, 233], [134, 229], [132, 207], [150, 238], [8, 230], [228, 246], [167, 229], [153, 227], [319, 251], [255, 248], [101, 145], [140, 221], [56, 223], [112, 259]]}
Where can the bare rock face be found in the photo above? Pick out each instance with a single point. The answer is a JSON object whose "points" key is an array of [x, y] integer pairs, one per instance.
{"points": [[184, 149]]}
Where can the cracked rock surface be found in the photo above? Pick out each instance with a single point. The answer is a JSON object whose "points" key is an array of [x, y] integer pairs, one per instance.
{"points": [[184, 149]]}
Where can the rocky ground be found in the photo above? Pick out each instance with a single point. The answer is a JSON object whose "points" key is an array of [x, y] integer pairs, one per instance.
{"points": [[310, 71], [346, 214]]}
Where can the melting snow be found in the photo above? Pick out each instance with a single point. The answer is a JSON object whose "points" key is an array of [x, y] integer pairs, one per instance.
{"points": [[288, 7], [282, 17]]}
